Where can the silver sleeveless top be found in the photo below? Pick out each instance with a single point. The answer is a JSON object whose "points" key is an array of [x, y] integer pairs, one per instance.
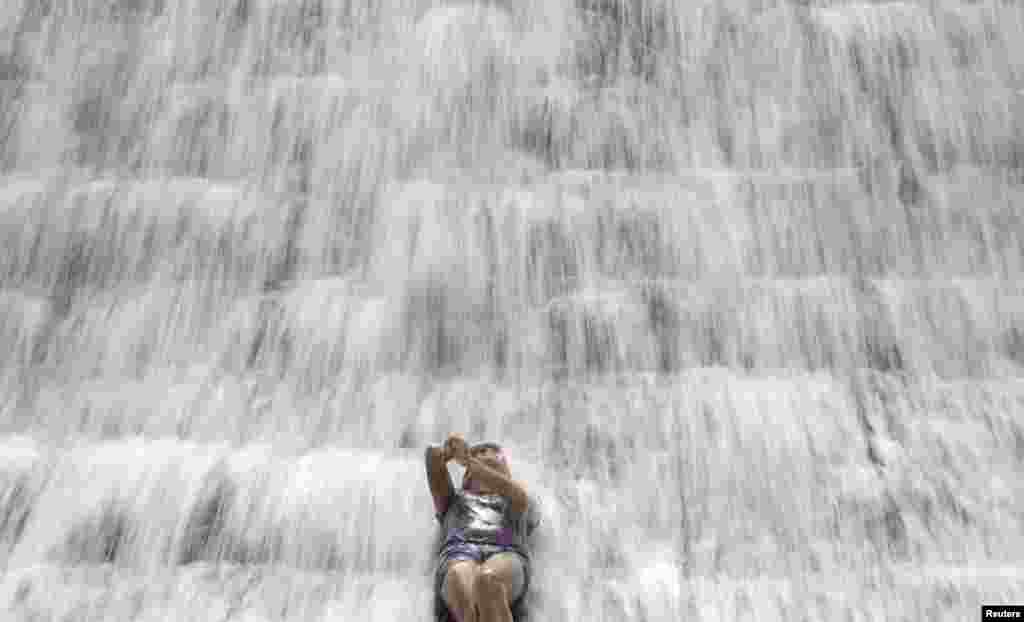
{"points": [[487, 519]]}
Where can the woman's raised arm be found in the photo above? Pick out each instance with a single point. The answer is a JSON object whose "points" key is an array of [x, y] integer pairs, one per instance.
{"points": [[441, 486]]}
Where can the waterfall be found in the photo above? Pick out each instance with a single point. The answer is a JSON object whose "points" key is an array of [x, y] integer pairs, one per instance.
{"points": [[739, 286]]}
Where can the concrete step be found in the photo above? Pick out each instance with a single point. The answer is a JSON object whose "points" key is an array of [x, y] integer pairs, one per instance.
{"points": [[69, 235], [877, 462], [204, 592]]}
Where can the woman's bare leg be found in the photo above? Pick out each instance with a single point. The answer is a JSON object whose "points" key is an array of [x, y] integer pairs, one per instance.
{"points": [[460, 586], [497, 584]]}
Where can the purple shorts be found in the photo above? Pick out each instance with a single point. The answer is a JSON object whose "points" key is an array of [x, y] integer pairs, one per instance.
{"points": [[480, 553]]}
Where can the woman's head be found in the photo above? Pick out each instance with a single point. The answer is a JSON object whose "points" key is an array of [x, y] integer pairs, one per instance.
{"points": [[492, 455]]}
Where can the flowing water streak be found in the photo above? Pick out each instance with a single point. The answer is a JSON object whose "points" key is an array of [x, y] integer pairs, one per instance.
{"points": [[739, 285]]}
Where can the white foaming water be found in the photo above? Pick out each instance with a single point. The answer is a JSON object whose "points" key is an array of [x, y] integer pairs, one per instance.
{"points": [[737, 284]]}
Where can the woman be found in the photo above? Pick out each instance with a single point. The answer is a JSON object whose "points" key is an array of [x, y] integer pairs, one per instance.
{"points": [[483, 568]]}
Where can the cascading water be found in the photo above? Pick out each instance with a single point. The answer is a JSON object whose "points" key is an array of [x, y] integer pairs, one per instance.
{"points": [[737, 283]]}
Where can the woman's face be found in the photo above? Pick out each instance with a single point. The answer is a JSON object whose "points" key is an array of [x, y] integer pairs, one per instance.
{"points": [[492, 458]]}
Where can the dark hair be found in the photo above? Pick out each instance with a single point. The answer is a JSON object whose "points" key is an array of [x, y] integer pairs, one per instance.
{"points": [[486, 445]]}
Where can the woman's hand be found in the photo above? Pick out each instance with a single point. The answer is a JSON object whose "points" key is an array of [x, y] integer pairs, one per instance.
{"points": [[455, 448]]}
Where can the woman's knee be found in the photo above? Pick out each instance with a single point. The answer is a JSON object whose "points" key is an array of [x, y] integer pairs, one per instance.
{"points": [[510, 570], [489, 586], [460, 586]]}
